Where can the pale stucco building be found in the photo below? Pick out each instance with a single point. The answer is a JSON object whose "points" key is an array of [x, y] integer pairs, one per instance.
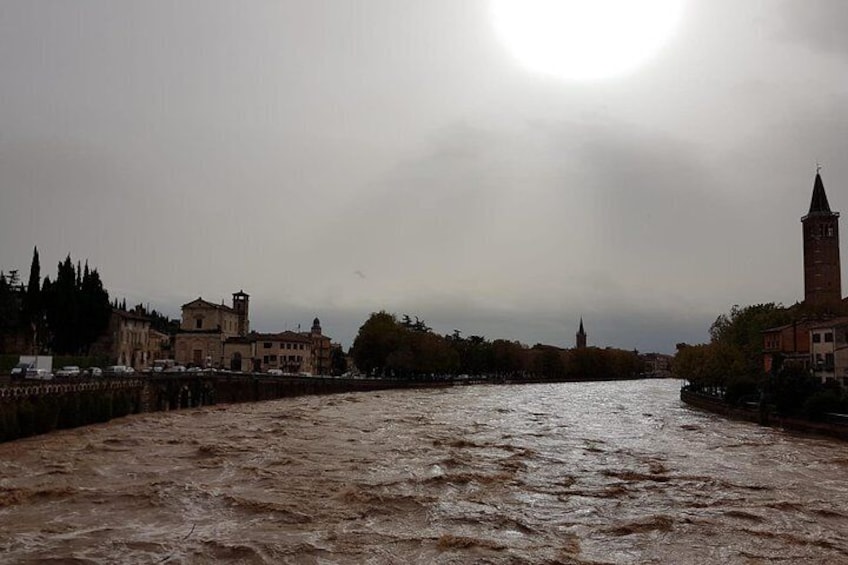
{"points": [[287, 351], [205, 327]]}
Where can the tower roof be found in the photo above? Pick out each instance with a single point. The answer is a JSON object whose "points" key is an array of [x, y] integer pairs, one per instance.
{"points": [[581, 331], [819, 204]]}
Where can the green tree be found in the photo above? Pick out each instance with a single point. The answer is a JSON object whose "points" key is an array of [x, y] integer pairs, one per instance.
{"points": [[378, 337], [742, 329], [338, 362], [548, 362]]}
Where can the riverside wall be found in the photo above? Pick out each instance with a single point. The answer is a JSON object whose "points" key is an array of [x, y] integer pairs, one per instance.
{"points": [[765, 416], [34, 408]]}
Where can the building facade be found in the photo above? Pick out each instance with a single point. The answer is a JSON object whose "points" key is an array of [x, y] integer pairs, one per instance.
{"points": [[289, 352], [829, 350], [321, 349], [787, 345], [205, 327], [127, 340], [656, 364]]}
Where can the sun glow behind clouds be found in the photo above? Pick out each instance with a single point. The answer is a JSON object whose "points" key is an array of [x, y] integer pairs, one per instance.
{"points": [[585, 39]]}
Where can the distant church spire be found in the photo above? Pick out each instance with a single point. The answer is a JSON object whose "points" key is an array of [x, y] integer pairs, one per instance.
{"points": [[581, 335], [819, 203], [822, 271]]}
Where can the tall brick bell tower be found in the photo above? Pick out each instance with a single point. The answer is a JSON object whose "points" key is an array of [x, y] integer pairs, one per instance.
{"points": [[822, 277]]}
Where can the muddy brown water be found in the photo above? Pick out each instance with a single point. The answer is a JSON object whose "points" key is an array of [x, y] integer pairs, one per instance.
{"points": [[617, 472]]}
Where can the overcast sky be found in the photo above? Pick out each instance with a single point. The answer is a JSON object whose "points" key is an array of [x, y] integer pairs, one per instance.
{"points": [[334, 158]]}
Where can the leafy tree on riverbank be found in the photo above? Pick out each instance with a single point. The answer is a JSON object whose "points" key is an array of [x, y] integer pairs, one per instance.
{"points": [[734, 355]]}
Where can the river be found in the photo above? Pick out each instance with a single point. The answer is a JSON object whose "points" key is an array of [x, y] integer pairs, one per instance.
{"points": [[613, 472]]}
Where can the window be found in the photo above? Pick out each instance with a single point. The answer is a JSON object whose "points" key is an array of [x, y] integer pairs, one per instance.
{"points": [[816, 338], [288, 346], [265, 359], [272, 358], [198, 323], [828, 361], [266, 345], [828, 337]]}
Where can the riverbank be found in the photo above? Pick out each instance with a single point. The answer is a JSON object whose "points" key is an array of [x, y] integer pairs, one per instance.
{"points": [[766, 417]]}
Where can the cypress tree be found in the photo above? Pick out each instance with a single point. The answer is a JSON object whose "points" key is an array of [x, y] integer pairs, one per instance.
{"points": [[33, 307]]}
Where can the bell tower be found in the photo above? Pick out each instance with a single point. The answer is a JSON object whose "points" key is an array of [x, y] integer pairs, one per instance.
{"points": [[822, 276], [241, 304], [581, 336]]}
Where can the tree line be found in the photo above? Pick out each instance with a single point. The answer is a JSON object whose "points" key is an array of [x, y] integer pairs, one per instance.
{"points": [[388, 346], [64, 315]]}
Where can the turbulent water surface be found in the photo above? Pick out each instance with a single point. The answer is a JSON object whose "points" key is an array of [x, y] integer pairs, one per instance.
{"points": [[617, 472]]}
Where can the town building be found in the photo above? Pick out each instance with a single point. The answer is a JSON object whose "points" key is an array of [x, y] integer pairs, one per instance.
{"points": [[205, 327], [829, 350], [159, 346], [127, 339], [218, 335], [321, 349], [787, 345], [657, 364], [289, 352]]}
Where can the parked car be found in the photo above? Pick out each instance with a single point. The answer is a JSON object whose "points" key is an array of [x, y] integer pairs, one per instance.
{"points": [[68, 372], [19, 370], [176, 369], [116, 371], [39, 374], [162, 365], [93, 372], [275, 372]]}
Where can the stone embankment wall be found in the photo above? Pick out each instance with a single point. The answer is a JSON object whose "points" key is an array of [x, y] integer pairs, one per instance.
{"points": [[30, 409], [764, 417]]}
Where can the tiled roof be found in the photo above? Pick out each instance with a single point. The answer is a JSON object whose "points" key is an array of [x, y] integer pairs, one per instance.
{"points": [[832, 323], [281, 336], [200, 303]]}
